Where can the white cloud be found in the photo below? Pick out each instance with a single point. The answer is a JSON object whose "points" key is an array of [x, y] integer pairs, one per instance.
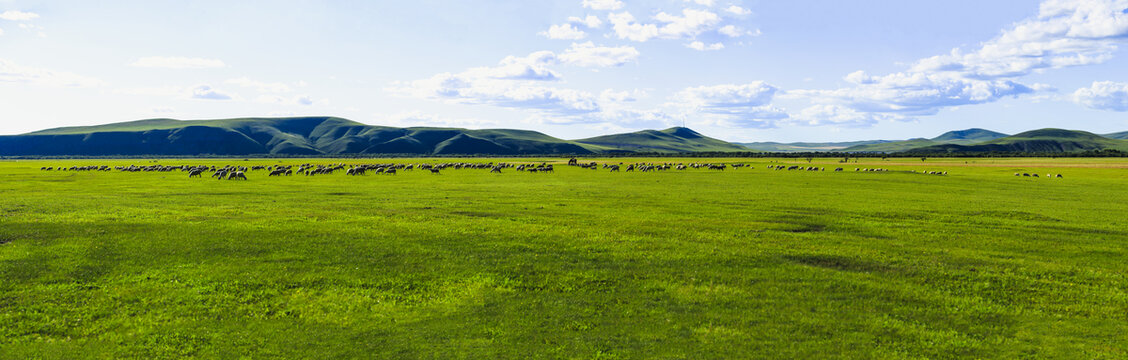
{"points": [[195, 92], [589, 55], [517, 82], [738, 105], [268, 87], [733, 31], [162, 110], [206, 92], [591, 21], [1064, 34], [174, 62], [700, 46], [702, 2], [1, 31], [514, 84], [15, 15], [727, 96], [157, 91], [609, 95], [825, 114], [531, 67], [730, 31], [603, 4], [563, 32], [10, 72], [625, 27], [417, 118], [736, 10], [916, 93], [297, 100], [1103, 95], [689, 24]]}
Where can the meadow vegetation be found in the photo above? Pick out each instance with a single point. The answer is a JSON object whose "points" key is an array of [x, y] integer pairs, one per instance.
{"points": [[694, 264]]}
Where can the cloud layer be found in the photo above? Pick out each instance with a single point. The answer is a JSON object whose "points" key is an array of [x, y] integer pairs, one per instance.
{"points": [[175, 62], [1103, 95]]}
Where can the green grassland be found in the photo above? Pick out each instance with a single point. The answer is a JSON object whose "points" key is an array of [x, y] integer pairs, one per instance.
{"points": [[693, 264]]}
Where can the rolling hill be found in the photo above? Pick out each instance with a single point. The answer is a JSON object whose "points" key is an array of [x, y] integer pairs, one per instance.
{"points": [[1123, 135], [328, 136], [959, 137], [807, 146], [672, 140], [969, 136], [1042, 140]]}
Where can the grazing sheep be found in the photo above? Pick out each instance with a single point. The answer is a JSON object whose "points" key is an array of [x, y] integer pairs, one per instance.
{"points": [[238, 175]]}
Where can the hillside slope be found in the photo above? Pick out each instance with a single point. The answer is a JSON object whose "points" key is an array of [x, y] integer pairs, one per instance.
{"points": [[807, 146], [969, 136], [327, 136], [1123, 135], [672, 140], [959, 137], [278, 136], [1042, 140]]}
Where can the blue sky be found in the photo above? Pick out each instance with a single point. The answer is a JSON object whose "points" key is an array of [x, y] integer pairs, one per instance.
{"points": [[747, 70]]}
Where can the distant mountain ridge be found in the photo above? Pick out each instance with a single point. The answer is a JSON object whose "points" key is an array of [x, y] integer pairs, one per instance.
{"points": [[672, 140], [960, 137], [330, 136], [1042, 140], [333, 136]]}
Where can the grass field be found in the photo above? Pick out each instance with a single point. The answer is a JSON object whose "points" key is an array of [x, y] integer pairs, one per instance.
{"points": [[694, 264]]}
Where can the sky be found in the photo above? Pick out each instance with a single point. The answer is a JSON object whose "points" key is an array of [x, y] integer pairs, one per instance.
{"points": [[750, 70]]}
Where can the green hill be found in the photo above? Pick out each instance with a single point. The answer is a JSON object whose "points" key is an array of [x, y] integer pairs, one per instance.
{"points": [[893, 146], [960, 137], [807, 146], [1043, 140], [969, 136], [672, 140], [1123, 135], [327, 136]]}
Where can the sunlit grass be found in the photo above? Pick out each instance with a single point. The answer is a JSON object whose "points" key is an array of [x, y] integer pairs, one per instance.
{"points": [[744, 263]]}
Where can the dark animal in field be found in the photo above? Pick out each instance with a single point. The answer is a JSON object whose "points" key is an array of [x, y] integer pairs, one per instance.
{"points": [[1058, 176], [435, 171], [196, 173], [496, 169], [238, 175], [838, 169], [1034, 175], [390, 171], [1026, 174]]}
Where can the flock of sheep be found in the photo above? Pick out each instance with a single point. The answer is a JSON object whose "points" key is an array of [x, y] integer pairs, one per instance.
{"points": [[232, 172]]}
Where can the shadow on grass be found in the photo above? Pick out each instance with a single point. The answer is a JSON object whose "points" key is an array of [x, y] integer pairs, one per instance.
{"points": [[840, 263]]}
